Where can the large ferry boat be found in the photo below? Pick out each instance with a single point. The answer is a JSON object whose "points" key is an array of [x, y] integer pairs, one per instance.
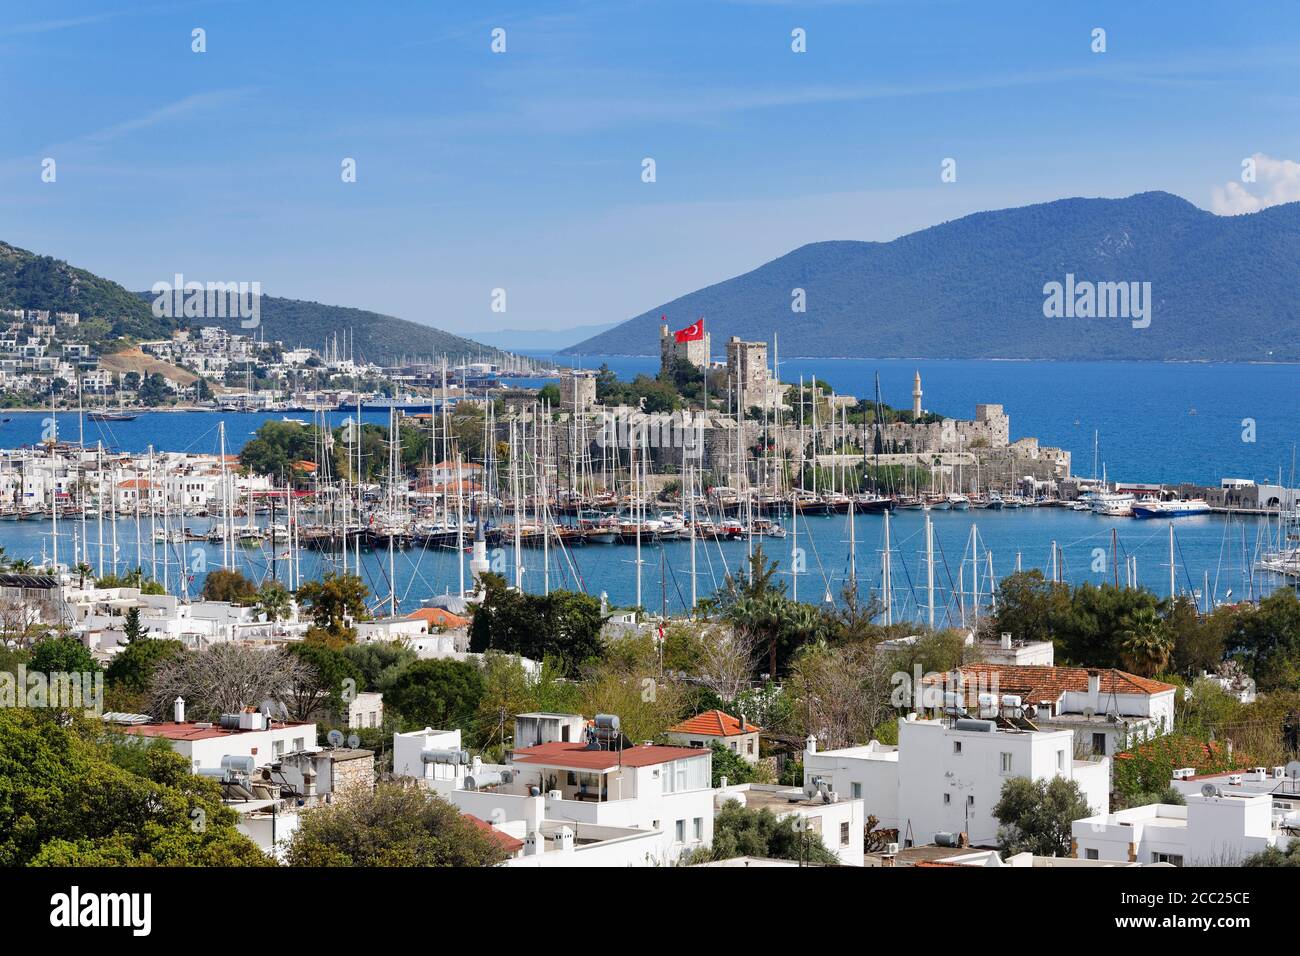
{"points": [[1178, 508], [1112, 504]]}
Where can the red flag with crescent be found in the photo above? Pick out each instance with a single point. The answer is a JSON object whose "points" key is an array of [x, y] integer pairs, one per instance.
{"points": [[692, 333]]}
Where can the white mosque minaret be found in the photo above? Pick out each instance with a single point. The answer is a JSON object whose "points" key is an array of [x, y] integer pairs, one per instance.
{"points": [[916, 395]]}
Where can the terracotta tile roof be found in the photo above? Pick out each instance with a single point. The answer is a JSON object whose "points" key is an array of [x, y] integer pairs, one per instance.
{"points": [[713, 723], [437, 617], [1037, 682], [192, 731], [1184, 751], [503, 840], [577, 756]]}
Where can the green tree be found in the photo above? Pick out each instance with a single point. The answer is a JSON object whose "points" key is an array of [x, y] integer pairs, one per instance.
{"points": [[437, 693], [71, 798], [743, 831], [380, 663], [1036, 815], [1145, 642], [334, 600], [564, 624], [1272, 856], [323, 683], [62, 654], [132, 630], [222, 584], [133, 667], [396, 825], [1269, 640], [727, 763], [273, 600]]}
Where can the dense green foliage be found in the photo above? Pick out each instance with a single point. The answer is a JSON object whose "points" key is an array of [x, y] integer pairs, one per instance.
{"points": [[564, 625], [108, 311], [1035, 815], [396, 825], [931, 294], [70, 796], [443, 694], [741, 831]]}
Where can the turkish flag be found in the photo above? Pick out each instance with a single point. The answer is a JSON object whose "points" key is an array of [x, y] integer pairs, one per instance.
{"points": [[692, 333]]}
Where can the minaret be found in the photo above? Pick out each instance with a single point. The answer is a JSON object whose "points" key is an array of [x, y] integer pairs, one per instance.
{"points": [[479, 564], [916, 395]]}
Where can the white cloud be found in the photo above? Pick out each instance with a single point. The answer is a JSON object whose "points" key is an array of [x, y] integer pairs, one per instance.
{"points": [[1277, 181]]}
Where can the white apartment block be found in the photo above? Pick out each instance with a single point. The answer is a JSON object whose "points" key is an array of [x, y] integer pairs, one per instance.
{"points": [[946, 776], [1215, 828], [1107, 710]]}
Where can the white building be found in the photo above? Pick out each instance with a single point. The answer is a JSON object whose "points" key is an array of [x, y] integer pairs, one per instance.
{"points": [[248, 734], [1107, 710], [947, 779], [703, 730], [644, 805], [838, 823], [1215, 828]]}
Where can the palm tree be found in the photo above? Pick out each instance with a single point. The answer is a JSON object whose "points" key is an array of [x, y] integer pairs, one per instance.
{"points": [[84, 571], [1145, 643], [273, 601], [21, 565]]}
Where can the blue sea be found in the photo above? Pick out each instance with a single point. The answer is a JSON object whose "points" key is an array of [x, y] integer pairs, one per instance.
{"points": [[1155, 422]]}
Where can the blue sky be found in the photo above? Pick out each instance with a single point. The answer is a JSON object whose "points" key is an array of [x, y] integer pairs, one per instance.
{"points": [[522, 170]]}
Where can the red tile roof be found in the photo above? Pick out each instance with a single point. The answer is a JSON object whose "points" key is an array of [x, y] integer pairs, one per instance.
{"points": [[713, 723], [578, 757], [438, 617], [192, 731], [1036, 682], [503, 840]]}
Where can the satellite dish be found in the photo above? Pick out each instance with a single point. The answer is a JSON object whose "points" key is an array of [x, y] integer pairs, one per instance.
{"points": [[1210, 790], [354, 741], [335, 737], [1293, 768]]}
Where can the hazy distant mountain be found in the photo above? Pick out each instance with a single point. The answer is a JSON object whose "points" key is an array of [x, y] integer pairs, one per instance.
{"points": [[108, 312], [377, 337], [1221, 288], [536, 339]]}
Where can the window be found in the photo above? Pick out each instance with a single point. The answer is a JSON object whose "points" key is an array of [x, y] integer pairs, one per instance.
{"points": [[844, 834], [1060, 760], [856, 790], [1099, 743], [697, 828], [277, 748], [970, 801], [749, 746], [1090, 855], [732, 745], [956, 746], [299, 743], [573, 779], [681, 831], [1175, 858], [947, 799], [1006, 763]]}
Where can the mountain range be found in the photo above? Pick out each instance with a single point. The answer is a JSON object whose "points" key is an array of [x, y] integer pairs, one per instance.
{"points": [[111, 313], [1221, 288]]}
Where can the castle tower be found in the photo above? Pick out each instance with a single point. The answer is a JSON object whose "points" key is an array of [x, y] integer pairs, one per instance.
{"points": [[916, 395]]}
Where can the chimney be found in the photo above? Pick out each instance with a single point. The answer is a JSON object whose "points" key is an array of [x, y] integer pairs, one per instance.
{"points": [[810, 745], [1006, 640], [1094, 687], [178, 710]]}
